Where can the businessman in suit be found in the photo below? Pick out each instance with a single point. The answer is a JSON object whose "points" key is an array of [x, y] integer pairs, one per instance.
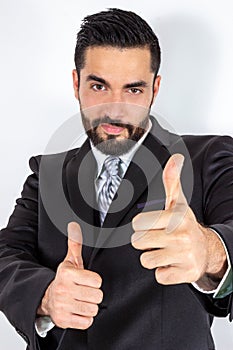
{"points": [[126, 242]]}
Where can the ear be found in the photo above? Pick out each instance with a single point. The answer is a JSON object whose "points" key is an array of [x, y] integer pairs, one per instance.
{"points": [[75, 82], [156, 87]]}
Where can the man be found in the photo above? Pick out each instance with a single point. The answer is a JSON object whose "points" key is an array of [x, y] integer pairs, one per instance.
{"points": [[147, 261]]}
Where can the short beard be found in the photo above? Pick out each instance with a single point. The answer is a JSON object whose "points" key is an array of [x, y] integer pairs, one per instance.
{"points": [[112, 146]]}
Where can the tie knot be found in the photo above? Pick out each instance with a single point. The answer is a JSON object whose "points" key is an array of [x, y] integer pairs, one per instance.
{"points": [[111, 165]]}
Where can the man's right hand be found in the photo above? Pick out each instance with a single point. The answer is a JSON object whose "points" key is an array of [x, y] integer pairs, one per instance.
{"points": [[72, 298]]}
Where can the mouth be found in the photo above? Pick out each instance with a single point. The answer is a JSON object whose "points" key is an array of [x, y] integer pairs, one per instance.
{"points": [[112, 129]]}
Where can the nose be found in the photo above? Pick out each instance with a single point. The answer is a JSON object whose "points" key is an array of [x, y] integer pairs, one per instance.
{"points": [[116, 96], [117, 105], [116, 110]]}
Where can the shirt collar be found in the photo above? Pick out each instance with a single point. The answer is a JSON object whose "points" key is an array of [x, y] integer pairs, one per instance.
{"points": [[125, 158]]}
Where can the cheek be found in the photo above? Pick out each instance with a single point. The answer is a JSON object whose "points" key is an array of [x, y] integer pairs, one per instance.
{"points": [[86, 100], [141, 100], [147, 98]]}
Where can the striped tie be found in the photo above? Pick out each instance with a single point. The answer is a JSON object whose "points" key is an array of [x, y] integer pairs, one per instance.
{"points": [[111, 175]]}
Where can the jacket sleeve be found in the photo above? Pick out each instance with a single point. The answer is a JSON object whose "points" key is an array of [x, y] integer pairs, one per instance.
{"points": [[23, 280], [217, 182]]}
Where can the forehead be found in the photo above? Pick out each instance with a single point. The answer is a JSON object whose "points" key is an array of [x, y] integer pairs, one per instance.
{"points": [[113, 62]]}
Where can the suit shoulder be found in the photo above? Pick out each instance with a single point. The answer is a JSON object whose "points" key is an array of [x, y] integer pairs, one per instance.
{"points": [[35, 161], [197, 144]]}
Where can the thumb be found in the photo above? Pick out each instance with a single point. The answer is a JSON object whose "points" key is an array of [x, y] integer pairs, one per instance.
{"points": [[75, 240], [171, 181]]}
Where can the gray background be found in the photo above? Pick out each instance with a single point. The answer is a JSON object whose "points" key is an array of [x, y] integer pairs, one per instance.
{"points": [[37, 45]]}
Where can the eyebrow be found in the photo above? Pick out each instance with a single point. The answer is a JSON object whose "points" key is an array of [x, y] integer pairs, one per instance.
{"points": [[99, 79], [138, 83]]}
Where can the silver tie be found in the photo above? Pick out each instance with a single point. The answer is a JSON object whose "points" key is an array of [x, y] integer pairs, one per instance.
{"points": [[112, 180]]}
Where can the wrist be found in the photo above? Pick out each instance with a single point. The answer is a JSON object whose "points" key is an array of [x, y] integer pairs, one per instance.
{"points": [[216, 261], [216, 257]]}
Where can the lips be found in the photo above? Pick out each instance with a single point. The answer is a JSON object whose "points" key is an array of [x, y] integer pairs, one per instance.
{"points": [[112, 129]]}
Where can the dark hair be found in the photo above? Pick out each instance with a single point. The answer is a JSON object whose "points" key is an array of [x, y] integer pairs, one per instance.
{"points": [[116, 28]]}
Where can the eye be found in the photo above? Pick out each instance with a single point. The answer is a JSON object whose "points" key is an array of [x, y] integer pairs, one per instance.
{"points": [[135, 91], [98, 87]]}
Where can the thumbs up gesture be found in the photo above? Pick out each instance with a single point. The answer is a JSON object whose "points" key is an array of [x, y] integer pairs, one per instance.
{"points": [[174, 243], [72, 299]]}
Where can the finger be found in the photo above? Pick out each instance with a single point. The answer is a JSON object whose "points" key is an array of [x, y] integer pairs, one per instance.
{"points": [[150, 239], [86, 278], [83, 308], [156, 239], [171, 181], [158, 258], [170, 275], [152, 220], [75, 239], [71, 320], [79, 322], [87, 294]]}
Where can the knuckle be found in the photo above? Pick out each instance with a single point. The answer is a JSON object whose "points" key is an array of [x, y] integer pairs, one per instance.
{"points": [[95, 310], [158, 276], [75, 322], [82, 308], [66, 272], [85, 323], [183, 238], [149, 259], [135, 220], [134, 243], [163, 276], [98, 280], [89, 321], [99, 296], [87, 309], [190, 256], [81, 292], [194, 275], [59, 307], [60, 267], [59, 322], [60, 289], [143, 260], [137, 243], [148, 237], [80, 276]]}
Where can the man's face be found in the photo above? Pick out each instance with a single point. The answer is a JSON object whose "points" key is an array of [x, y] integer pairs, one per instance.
{"points": [[115, 92]]}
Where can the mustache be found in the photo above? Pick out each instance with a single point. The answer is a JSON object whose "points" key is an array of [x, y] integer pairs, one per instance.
{"points": [[107, 120]]}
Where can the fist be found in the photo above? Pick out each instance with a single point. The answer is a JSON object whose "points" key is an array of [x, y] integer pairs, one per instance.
{"points": [[174, 243], [72, 299]]}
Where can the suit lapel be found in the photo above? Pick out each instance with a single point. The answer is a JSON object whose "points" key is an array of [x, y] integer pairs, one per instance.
{"points": [[80, 176]]}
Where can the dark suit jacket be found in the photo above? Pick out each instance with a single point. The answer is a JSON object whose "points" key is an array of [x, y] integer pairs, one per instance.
{"points": [[136, 312]]}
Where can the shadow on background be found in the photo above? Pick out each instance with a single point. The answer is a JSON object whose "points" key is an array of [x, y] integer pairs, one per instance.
{"points": [[190, 67], [191, 61]]}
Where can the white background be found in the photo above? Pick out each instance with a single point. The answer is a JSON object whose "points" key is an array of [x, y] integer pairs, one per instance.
{"points": [[37, 41]]}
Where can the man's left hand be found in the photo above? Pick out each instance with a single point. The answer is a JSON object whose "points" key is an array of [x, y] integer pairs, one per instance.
{"points": [[175, 244]]}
